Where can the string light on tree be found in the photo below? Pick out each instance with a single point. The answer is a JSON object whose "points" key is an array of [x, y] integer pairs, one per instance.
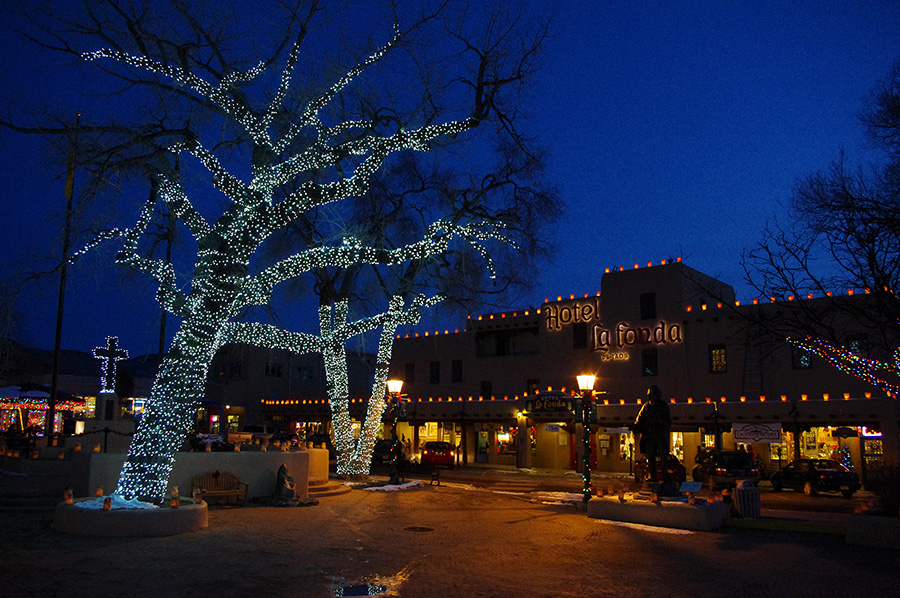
{"points": [[302, 161], [882, 374]]}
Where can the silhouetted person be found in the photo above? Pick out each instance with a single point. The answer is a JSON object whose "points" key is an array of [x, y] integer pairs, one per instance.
{"points": [[654, 424]]}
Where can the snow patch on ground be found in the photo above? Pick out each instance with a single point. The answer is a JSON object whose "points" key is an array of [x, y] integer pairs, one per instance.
{"points": [[396, 487], [118, 502], [648, 528], [558, 498]]}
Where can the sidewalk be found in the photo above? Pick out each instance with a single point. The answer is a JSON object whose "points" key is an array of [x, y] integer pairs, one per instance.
{"points": [[795, 521], [534, 481]]}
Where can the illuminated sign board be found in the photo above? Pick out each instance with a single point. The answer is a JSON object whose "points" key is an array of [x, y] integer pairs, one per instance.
{"points": [[549, 405], [756, 432], [580, 311], [613, 341]]}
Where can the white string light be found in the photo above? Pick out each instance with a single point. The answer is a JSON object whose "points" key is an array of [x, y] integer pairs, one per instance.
{"points": [[222, 284]]}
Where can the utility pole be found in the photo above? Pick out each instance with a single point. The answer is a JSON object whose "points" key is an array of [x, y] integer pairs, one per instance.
{"points": [[63, 271]]}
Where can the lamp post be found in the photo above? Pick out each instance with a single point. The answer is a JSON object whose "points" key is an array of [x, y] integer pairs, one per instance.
{"points": [[394, 387], [586, 386]]}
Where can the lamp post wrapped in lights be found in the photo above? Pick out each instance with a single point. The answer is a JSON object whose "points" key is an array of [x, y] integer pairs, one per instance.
{"points": [[586, 386], [394, 399]]}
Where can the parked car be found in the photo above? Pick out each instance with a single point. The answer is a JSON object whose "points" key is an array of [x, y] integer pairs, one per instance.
{"points": [[284, 438], [438, 454], [382, 451], [721, 469], [671, 464], [816, 475], [250, 433]]}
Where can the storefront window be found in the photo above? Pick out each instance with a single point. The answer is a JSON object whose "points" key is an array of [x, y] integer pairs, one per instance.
{"points": [[626, 446], [873, 454], [778, 452], [90, 407], [678, 445], [506, 440]]}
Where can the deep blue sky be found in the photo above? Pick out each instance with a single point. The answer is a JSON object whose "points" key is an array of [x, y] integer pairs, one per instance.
{"points": [[674, 129]]}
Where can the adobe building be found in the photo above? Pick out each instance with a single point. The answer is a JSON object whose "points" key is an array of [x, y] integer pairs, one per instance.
{"points": [[504, 388]]}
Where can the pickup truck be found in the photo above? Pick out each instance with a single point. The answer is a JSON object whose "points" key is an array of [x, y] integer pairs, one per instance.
{"points": [[251, 433]]}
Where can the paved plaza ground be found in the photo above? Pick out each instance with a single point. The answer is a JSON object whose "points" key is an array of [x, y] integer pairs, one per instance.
{"points": [[430, 541]]}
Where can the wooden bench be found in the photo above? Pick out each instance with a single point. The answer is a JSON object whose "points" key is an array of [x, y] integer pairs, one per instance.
{"points": [[220, 483]]}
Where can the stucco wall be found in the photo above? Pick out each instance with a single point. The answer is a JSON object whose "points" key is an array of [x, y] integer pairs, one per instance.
{"points": [[553, 450], [318, 465], [258, 469]]}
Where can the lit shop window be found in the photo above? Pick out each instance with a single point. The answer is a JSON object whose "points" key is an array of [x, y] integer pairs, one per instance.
{"points": [[506, 440], [717, 363]]}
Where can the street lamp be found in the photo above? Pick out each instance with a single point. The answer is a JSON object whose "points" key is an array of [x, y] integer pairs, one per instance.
{"points": [[394, 387], [586, 386]]}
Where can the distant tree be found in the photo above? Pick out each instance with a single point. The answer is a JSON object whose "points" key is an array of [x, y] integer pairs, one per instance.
{"points": [[844, 233], [294, 161]]}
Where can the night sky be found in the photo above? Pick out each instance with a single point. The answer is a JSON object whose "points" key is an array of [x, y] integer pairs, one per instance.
{"points": [[674, 129]]}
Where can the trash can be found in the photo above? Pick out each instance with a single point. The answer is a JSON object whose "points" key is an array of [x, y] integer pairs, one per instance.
{"points": [[746, 500]]}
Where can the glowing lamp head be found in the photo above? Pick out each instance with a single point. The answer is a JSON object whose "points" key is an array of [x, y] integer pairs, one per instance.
{"points": [[586, 382], [394, 386]]}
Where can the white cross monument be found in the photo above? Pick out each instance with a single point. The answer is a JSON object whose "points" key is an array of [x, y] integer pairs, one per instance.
{"points": [[109, 355]]}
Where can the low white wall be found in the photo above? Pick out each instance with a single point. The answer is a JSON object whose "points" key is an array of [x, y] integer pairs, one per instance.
{"points": [[258, 469]]}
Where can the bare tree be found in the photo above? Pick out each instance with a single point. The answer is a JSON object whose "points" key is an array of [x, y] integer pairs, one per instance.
{"points": [[844, 233], [302, 158]]}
